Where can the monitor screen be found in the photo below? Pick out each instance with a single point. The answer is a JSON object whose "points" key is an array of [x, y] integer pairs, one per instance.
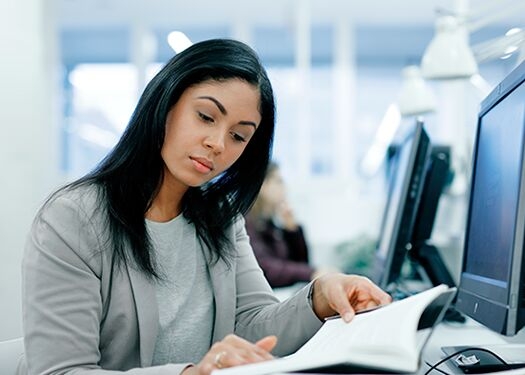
{"points": [[403, 197], [492, 279]]}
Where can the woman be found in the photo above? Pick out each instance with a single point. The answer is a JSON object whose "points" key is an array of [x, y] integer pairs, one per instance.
{"points": [[144, 264], [276, 237]]}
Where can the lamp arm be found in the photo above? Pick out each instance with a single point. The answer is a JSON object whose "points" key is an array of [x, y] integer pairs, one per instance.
{"points": [[497, 47], [485, 14], [477, 21]]}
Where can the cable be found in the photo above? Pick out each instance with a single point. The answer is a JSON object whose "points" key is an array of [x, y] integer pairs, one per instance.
{"points": [[437, 369]]}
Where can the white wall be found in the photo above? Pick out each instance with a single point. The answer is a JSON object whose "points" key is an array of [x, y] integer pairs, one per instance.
{"points": [[28, 137]]}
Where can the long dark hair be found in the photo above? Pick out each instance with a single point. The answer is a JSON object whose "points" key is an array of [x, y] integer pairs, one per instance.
{"points": [[129, 176]]}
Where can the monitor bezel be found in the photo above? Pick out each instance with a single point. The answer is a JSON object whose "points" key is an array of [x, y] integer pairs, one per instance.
{"points": [[495, 307]]}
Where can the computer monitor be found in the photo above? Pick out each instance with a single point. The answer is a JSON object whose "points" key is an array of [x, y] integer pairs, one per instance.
{"points": [[437, 176], [492, 281], [403, 197], [425, 258]]}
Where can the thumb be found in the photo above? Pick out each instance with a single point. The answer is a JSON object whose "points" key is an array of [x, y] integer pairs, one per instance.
{"points": [[267, 343]]}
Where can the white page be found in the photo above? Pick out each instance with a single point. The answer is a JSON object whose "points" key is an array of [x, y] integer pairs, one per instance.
{"points": [[370, 339]]}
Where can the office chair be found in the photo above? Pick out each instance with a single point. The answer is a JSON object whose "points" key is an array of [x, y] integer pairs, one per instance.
{"points": [[10, 353]]}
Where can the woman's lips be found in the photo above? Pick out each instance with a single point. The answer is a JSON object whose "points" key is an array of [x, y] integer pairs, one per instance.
{"points": [[202, 165]]}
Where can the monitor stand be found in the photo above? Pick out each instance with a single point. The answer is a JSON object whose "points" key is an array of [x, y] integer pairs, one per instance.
{"points": [[429, 260], [485, 358], [428, 257]]}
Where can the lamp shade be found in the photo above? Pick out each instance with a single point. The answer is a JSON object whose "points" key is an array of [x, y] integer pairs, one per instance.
{"points": [[415, 97], [448, 56]]}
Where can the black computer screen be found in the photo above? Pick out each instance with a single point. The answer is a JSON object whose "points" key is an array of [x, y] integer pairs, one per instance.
{"points": [[403, 196], [495, 197], [492, 282]]}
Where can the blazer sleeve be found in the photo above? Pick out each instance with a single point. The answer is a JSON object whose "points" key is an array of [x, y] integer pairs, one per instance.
{"points": [[259, 313], [61, 296]]}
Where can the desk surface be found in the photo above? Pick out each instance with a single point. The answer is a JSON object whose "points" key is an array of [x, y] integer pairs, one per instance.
{"points": [[468, 334]]}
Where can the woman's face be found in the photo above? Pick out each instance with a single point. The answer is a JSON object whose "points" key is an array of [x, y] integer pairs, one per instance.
{"points": [[273, 191], [208, 129]]}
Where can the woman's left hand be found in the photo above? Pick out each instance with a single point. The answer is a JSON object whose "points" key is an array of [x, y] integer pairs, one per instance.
{"points": [[337, 293]]}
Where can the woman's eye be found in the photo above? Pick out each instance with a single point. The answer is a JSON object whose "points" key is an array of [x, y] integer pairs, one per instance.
{"points": [[238, 138], [205, 118]]}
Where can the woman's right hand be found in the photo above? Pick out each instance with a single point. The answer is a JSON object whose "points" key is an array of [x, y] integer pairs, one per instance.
{"points": [[233, 351]]}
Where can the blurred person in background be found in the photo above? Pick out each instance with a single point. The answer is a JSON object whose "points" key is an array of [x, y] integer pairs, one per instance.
{"points": [[277, 239]]}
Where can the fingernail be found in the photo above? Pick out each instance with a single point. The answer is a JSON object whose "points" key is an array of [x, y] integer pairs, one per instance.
{"points": [[347, 317]]}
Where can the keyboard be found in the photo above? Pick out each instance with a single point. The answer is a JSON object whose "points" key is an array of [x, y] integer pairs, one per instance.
{"points": [[398, 293]]}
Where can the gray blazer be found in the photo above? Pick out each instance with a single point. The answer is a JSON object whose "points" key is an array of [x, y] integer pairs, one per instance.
{"points": [[82, 314]]}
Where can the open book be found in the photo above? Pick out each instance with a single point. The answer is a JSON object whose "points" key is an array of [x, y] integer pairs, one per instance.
{"points": [[387, 339]]}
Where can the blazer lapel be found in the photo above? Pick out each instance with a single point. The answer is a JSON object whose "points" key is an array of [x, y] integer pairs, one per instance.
{"points": [[223, 283], [147, 314]]}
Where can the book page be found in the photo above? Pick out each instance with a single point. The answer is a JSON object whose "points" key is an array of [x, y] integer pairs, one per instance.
{"points": [[389, 331], [382, 338]]}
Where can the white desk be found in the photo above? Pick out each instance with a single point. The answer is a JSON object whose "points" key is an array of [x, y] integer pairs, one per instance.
{"points": [[471, 334]]}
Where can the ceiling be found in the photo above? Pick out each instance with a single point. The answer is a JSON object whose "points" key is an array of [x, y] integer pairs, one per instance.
{"points": [[398, 30], [184, 13]]}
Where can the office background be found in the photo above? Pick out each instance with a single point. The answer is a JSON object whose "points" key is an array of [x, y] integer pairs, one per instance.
{"points": [[71, 72]]}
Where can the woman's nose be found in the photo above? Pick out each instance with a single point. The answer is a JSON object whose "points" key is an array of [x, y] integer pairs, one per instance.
{"points": [[215, 141]]}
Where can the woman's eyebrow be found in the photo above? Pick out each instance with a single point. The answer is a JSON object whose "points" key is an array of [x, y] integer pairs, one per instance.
{"points": [[217, 103], [224, 111]]}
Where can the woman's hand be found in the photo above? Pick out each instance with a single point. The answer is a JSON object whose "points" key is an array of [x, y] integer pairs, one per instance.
{"points": [[233, 351], [286, 217], [337, 293]]}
